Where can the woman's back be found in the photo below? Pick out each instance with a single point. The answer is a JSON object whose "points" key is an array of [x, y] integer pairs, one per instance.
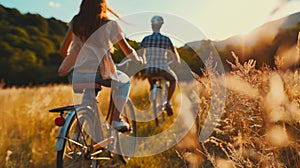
{"points": [[97, 51]]}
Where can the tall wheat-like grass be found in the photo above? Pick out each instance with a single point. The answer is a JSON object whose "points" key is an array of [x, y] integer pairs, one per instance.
{"points": [[27, 128], [28, 132], [260, 124]]}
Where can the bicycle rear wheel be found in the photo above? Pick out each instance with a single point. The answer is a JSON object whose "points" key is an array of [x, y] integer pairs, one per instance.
{"points": [[158, 102], [82, 133], [126, 141]]}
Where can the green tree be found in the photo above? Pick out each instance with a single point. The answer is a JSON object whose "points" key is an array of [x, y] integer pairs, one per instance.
{"points": [[12, 16], [18, 31], [191, 58], [29, 47], [34, 20], [33, 31], [43, 47], [57, 27], [11, 39], [55, 58], [23, 60], [2, 12], [5, 53], [56, 39], [6, 50]]}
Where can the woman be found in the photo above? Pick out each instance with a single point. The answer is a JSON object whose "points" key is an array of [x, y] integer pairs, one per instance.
{"points": [[87, 49]]}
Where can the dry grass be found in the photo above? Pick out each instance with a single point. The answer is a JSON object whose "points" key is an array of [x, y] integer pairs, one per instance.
{"points": [[27, 129], [259, 127], [28, 132], [260, 124]]}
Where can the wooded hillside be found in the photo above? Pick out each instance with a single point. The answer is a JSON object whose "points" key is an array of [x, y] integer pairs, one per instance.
{"points": [[29, 46]]}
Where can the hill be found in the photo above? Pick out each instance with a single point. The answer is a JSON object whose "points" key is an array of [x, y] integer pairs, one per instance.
{"points": [[273, 40], [29, 46]]}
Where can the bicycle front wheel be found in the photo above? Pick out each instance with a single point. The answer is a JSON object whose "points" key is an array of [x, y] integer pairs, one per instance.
{"points": [[126, 141], [82, 133]]}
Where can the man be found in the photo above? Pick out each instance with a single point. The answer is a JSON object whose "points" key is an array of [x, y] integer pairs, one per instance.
{"points": [[154, 50]]}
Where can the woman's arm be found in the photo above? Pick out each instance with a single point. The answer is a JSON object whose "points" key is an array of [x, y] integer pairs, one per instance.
{"points": [[129, 51], [64, 47], [69, 61], [118, 37]]}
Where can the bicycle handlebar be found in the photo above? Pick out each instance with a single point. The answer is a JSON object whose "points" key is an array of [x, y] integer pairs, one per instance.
{"points": [[123, 63], [170, 62], [129, 60]]}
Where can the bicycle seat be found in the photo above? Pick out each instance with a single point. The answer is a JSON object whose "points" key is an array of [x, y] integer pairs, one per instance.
{"points": [[80, 87], [65, 108]]}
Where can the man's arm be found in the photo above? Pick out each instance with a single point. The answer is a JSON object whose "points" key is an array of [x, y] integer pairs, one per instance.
{"points": [[142, 53], [174, 54]]}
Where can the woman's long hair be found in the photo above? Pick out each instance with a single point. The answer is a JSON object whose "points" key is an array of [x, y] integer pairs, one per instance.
{"points": [[91, 16]]}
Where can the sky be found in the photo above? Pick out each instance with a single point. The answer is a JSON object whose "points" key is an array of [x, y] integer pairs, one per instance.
{"points": [[185, 21]]}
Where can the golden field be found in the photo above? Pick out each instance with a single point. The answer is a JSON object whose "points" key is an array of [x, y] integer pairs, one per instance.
{"points": [[259, 125]]}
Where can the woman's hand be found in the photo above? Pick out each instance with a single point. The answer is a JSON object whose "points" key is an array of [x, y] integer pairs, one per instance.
{"points": [[134, 56], [129, 51]]}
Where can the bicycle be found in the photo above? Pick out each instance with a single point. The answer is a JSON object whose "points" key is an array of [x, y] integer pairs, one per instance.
{"points": [[85, 137], [158, 98]]}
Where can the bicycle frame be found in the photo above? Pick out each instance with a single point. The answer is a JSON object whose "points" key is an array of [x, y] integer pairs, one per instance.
{"points": [[159, 83], [62, 133], [90, 106], [101, 136], [85, 133]]}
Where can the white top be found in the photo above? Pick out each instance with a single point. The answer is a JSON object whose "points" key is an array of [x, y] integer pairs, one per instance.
{"points": [[94, 55]]}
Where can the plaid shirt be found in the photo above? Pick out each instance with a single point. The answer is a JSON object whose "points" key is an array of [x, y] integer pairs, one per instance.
{"points": [[157, 46]]}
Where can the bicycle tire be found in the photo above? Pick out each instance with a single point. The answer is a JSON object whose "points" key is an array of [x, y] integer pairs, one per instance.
{"points": [[154, 103], [126, 141], [75, 155], [158, 102], [163, 99]]}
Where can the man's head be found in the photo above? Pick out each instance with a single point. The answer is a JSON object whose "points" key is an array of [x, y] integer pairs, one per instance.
{"points": [[156, 23]]}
